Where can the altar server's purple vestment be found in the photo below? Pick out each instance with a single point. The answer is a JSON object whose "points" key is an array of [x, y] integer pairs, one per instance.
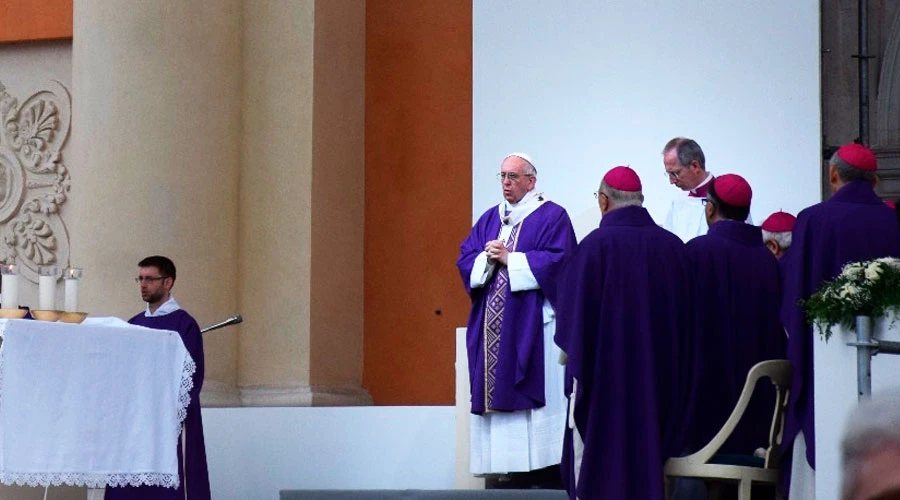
{"points": [[853, 225], [517, 364], [197, 475], [624, 321], [737, 302]]}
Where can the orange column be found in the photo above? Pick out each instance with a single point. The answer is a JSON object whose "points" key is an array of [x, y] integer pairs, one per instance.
{"points": [[418, 195], [23, 21]]}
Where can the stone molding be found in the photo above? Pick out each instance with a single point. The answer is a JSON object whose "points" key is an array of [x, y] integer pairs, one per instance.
{"points": [[217, 394], [34, 181], [305, 395], [886, 132]]}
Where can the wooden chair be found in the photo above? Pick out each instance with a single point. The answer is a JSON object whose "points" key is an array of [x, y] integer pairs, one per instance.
{"points": [[699, 466]]}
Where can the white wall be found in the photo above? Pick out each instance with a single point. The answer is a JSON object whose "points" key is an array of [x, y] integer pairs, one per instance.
{"points": [[583, 86], [836, 395], [256, 452]]}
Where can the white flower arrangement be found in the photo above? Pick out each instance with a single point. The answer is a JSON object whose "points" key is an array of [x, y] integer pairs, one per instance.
{"points": [[870, 288]]}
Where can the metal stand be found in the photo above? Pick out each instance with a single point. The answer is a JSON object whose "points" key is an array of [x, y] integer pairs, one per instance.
{"points": [[866, 347]]}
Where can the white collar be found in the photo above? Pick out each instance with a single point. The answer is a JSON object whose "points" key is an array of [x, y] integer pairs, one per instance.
{"points": [[518, 211], [167, 307], [709, 177]]}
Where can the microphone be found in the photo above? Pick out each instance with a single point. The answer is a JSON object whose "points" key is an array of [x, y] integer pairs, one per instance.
{"points": [[231, 320]]}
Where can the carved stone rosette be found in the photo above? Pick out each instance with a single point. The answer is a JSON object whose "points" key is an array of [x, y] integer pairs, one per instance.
{"points": [[34, 180]]}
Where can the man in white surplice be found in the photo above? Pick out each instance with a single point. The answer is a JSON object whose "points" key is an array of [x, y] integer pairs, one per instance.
{"points": [[508, 265], [686, 168]]}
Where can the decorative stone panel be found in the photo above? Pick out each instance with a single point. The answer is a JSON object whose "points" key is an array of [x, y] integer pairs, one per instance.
{"points": [[34, 180]]}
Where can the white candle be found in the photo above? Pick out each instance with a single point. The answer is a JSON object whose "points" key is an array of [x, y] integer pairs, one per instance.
{"points": [[9, 291], [72, 295], [46, 292]]}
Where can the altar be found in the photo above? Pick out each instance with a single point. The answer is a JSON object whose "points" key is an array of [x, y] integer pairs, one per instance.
{"points": [[93, 404]]}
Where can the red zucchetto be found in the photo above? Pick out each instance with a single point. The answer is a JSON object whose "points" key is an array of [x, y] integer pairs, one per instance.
{"points": [[858, 156], [623, 179], [779, 222], [733, 190]]}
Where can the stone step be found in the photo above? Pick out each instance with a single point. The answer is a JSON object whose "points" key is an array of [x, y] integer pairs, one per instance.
{"points": [[497, 494]]}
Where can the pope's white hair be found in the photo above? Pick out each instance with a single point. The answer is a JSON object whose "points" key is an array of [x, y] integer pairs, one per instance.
{"points": [[530, 169], [783, 239]]}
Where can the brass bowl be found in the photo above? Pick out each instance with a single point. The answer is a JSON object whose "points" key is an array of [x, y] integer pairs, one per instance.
{"points": [[46, 314], [72, 317], [13, 313]]}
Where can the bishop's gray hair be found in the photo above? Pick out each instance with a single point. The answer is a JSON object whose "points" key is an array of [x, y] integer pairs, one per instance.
{"points": [[619, 199], [848, 172], [783, 239], [874, 424]]}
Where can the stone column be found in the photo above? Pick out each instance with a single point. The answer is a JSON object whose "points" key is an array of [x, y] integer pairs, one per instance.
{"points": [[229, 136], [338, 191], [155, 152], [301, 202]]}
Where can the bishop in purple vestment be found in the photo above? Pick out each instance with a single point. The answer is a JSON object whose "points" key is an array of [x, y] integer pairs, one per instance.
{"points": [[737, 299], [624, 323], [508, 264], [853, 225], [156, 277]]}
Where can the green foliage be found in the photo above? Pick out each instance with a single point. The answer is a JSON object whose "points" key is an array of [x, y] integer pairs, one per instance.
{"points": [[870, 288]]}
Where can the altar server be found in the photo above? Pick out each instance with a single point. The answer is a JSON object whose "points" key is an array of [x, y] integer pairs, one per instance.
{"points": [[156, 278]]}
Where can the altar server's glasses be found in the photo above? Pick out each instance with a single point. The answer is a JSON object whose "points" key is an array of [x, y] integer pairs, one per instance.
{"points": [[149, 279]]}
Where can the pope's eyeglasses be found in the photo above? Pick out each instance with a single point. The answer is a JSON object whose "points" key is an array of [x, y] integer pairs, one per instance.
{"points": [[512, 176]]}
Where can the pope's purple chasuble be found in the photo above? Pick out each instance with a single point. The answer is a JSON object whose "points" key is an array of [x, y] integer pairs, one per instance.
{"points": [[505, 328], [493, 321]]}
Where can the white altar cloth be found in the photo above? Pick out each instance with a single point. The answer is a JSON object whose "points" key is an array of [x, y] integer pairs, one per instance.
{"points": [[91, 405]]}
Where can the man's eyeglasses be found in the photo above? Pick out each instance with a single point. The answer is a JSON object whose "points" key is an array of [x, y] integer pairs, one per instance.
{"points": [[512, 176], [706, 200], [672, 175], [149, 279]]}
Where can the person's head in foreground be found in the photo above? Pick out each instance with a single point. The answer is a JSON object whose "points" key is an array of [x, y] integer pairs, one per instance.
{"points": [[870, 451]]}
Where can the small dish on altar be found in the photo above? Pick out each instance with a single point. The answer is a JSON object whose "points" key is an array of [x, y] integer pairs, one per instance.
{"points": [[46, 314], [13, 313], [72, 317]]}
